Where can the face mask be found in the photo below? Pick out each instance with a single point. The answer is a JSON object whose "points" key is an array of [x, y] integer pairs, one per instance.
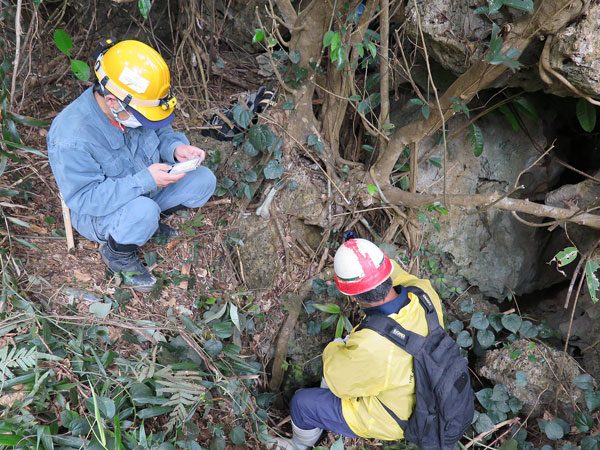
{"points": [[130, 122]]}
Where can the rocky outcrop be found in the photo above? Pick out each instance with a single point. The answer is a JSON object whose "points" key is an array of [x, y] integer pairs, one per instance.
{"points": [[549, 375], [575, 53], [489, 249]]}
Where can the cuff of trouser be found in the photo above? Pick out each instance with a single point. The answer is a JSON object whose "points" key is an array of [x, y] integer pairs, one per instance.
{"points": [[145, 180]]}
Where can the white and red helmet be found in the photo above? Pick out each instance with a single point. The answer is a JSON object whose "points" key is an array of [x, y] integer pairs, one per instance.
{"points": [[360, 266]]}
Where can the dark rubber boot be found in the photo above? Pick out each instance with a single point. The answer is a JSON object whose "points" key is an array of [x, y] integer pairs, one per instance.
{"points": [[165, 231], [124, 259]]}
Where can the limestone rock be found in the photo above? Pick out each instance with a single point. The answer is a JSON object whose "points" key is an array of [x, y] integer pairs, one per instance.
{"points": [[575, 53], [549, 375], [490, 250]]}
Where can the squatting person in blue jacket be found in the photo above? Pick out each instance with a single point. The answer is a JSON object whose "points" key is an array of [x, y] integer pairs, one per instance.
{"points": [[111, 151], [364, 376]]}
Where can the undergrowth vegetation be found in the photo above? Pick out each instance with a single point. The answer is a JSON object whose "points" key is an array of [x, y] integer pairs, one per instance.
{"points": [[109, 382]]}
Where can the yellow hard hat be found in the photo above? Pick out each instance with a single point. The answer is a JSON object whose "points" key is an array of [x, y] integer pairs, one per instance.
{"points": [[138, 76]]}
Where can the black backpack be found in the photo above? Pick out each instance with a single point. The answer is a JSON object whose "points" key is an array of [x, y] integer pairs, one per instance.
{"points": [[444, 399]]}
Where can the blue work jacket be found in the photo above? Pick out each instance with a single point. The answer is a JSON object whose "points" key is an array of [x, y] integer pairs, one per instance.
{"points": [[98, 167]]}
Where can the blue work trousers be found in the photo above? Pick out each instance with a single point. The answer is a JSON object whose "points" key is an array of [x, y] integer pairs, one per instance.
{"points": [[137, 221], [319, 408]]}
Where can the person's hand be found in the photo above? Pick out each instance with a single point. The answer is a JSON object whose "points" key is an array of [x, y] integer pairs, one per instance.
{"points": [[161, 175], [186, 152]]}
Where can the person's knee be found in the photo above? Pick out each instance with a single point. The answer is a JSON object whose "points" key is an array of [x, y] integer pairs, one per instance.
{"points": [[205, 179], [299, 407], [202, 183], [142, 210]]}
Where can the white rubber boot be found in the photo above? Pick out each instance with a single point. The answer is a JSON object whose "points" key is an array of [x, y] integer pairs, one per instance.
{"points": [[301, 439]]}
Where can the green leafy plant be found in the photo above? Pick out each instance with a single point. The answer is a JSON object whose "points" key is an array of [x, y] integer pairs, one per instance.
{"points": [[495, 56], [567, 256], [324, 289], [586, 114], [65, 44]]}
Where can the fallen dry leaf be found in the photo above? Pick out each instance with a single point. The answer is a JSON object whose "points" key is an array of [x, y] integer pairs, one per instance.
{"points": [[82, 276]]}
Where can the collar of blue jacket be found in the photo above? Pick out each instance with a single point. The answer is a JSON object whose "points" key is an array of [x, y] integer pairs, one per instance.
{"points": [[390, 307]]}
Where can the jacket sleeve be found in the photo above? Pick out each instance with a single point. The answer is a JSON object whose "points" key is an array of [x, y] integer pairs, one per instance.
{"points": [[169, 139], [350, 369], [85, 187]]}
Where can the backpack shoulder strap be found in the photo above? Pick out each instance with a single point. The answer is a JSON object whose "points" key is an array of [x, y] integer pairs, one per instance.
{"points": [[387, 327], [430, 312], [407, 340]]}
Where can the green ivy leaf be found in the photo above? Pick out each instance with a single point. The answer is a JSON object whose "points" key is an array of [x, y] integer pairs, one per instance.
{"points": [[456, 326], [238, 435], [213, 347], [241, 116], [319, 286], [476, 139], [337, 445], [583, 421], [479, 321], [552, 430], [313, 327], [496, 321], [258, 137], [250, 176], [512, 322], [100, 309], [515, 405], [63, 41], [485, 338], [273, 169], [590, 443], [483, 423], [586, 114], [259, 35], [511, 444], [499, 393], [249, 149], [288, 105], [464, 339], [584, 381], [528, 329], [295, 56], [521, 378], [592, 400]]}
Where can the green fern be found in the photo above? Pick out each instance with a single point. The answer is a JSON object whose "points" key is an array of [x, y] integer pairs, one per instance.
{"points": [[185, 392], [12, 358]]}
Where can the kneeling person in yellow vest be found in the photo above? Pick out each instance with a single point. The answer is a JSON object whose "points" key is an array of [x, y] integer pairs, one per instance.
{"points": [[366, 376]]}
